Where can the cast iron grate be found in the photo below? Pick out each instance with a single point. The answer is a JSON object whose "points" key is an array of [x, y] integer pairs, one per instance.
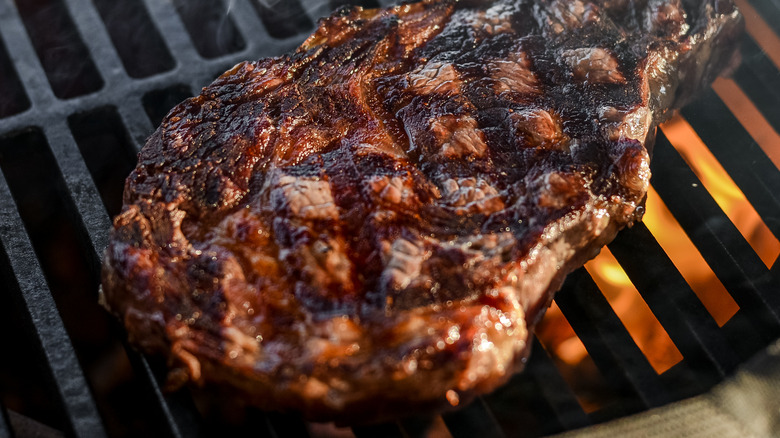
{"points": [[83, 83]]}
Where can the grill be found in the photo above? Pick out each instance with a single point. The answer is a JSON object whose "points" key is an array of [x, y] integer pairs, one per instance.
{"points": [[84, 82]]}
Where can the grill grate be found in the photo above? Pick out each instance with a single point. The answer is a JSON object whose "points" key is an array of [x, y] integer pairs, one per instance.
{"points": [[69, 132]]}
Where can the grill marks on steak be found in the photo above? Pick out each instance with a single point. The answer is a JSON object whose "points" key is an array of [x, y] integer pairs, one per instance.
{"points": [[356, 229]]}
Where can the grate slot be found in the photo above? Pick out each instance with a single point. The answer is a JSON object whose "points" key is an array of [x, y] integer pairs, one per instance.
{"points": [[609, 344], [136, 39], [158, 103], [60, 49], [107, 151], [729, 255], [283, 18], [743, 158], [759, 79], [210, 27], [14, 98], [672, 301]]}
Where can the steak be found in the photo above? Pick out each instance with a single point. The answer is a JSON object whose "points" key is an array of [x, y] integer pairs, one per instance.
{"points": [[372, 225]]}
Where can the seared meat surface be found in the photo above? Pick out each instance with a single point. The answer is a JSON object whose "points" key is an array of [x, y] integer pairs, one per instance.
{"points": [[373, 224]]}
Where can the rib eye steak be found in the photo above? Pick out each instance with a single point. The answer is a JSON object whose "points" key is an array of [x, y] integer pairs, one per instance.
{"points": [[373, 224]]}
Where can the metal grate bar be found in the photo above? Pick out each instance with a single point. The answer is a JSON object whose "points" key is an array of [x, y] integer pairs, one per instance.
{"points": [[60, 47], [23, 56], [383, 430], [743, 158], [14, 95], [179, 419], [580, 300], [5, 428], [674, 304], [473, 420], [249, 23], [725, 250], [554, 391], [157, 104], [749, 333], [60, 355], [90, 213], [608, 342], [97, 40], [760, 80], [286, 425], [173, 32], [136, 122], [769, 11], [178, 410]]}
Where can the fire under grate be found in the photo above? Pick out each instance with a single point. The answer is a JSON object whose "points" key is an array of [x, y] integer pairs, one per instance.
{"points": [[84, 82]]}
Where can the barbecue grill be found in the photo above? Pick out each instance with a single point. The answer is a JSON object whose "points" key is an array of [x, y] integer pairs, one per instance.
{"points": [[84, 82]]}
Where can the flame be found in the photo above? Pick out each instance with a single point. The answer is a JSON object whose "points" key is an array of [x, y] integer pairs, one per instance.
{"points": [[750, 117], [569, 353], [636, 316], [688, 260], [572, 360], [722, 188], [760, 31]]}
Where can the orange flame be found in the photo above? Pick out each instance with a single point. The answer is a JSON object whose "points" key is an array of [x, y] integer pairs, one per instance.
{"points": [[572, 360], [722, 188], [633, 312], [760, 31], [688, 260], [750, 117]]}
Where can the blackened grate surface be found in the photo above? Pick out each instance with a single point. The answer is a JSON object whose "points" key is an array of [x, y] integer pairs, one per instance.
{"points": [[84, 82]]}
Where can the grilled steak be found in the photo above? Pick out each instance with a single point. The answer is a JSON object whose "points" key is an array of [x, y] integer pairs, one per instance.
{"points": [[373, 224]]}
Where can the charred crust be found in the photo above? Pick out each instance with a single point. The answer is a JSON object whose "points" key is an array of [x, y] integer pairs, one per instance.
{"points": [[373, 224]]}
